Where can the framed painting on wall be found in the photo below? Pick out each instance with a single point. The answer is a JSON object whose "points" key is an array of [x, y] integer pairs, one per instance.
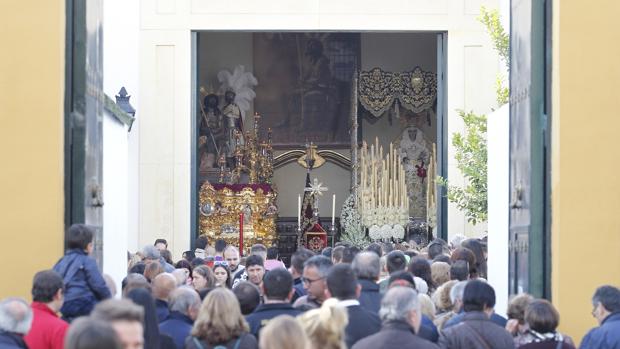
{"points": [[304, 86]]}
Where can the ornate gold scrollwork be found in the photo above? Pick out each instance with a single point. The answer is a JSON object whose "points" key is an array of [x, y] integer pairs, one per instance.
{"points": [[220, 211], [419, 89], [376, 93], [378, 90]]}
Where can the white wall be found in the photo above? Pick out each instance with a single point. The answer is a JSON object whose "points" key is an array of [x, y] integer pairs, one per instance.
{"points": [[115, 208], [498, 135], [165, 73], [498, 131], [121, 31]]}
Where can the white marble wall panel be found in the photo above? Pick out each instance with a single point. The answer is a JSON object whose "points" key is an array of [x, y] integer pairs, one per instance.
{"points": [[166, 7], [472, 7], [115, 187], [282, 7], [478, 76], [498, 127], [165, 138], [389, 7]]}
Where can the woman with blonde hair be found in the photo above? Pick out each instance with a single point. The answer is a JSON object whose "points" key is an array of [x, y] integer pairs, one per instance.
{"points": [[325, 325], [443, 304], [220, 324], [427, 306], [283, 332], [440, 273]]}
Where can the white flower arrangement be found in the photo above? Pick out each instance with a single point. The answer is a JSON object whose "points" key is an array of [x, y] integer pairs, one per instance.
{"points": [[353, 230], [374, 232], [386, 231], [398, 232]]}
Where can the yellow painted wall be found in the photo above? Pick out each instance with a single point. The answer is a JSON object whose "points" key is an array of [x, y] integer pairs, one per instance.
{"points": [[32, 34], [585, 157]]}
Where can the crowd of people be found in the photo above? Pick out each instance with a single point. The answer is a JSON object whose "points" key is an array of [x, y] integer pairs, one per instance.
{"points": [[384, 296]]}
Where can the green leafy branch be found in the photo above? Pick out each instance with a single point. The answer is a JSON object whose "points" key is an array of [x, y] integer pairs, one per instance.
{"points": [[471, 146], [501, 40], [471, 158]]}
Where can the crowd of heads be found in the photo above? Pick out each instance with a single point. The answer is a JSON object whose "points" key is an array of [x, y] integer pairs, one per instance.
{"points": [[217, 291]]}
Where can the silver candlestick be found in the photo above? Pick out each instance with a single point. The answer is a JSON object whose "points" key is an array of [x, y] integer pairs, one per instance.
{"points": [[298, 237]]}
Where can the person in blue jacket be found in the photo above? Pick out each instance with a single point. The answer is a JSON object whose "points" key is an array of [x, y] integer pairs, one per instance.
{"points": [[84, 285], [606, 302]]}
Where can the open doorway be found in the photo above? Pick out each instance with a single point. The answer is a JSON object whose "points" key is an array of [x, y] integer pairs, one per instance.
{"points": [[304, 94]]}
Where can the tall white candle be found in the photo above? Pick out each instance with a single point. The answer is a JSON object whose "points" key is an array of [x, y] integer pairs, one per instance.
{"points": [[299, 210], [333, 209]]}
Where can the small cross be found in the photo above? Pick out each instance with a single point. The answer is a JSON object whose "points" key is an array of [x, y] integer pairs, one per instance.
{"points": [[316, 188]]}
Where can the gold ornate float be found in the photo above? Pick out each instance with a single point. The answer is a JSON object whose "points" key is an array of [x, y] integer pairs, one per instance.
{"points": [[229, 207], [221, 206]]}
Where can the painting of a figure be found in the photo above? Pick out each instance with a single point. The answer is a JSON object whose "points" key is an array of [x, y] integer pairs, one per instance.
{"points": [[304, 91]]}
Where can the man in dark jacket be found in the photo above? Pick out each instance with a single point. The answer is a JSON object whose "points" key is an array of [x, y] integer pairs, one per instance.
{"points": [[476, 330], [427, 330], [395, 262], [15, 321], [495, 318], [84, 285], [606, 302], [401, 316], [297, 268], [277, 290], [315, 272], [163, 285], [184, 307], [367, 267], [342, 284]]}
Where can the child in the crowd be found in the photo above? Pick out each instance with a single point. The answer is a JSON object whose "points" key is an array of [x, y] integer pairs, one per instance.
{"points": [[84, 285]]}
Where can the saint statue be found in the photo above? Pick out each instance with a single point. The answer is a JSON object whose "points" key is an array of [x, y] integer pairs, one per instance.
{"points": [[247, 215], [415, 154], [237, 88], [212, 133], [234, 126]]}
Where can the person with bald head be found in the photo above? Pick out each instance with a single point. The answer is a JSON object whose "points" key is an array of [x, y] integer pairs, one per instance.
{"points": [[15, 321], [163, 285]]}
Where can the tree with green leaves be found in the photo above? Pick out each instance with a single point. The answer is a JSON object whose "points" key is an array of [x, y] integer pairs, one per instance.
{"points": [[471, 158], [471, 146], [501, 41]]}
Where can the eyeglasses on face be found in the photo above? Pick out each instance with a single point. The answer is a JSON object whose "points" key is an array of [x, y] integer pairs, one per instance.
{"points": [[310, 281]]}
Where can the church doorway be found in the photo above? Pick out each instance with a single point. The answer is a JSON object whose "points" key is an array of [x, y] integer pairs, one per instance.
{"points": [[276, 93]]}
